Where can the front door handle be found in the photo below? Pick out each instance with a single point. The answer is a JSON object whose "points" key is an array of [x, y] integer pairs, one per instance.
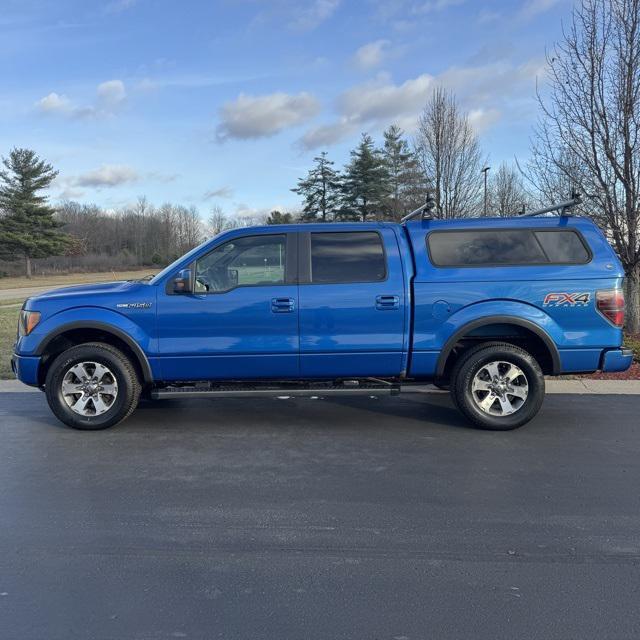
{"points": [[386, 303], [283, 305]]}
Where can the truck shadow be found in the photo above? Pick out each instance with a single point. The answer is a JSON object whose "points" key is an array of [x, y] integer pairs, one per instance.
{"points": [[354, 413], [331, 413]]}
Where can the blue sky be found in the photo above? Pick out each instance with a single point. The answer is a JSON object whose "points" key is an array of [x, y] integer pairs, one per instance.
{"points": [[226, 102]]}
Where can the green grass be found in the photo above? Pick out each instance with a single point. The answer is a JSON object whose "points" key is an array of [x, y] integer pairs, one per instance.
{"points": [[8, 328]]}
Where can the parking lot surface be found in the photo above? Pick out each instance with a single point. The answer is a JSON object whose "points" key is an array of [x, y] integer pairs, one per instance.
{"points": [[321, 519]]}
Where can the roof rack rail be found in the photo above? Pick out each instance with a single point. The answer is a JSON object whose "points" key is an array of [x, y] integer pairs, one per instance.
{"points": [[424, 209], [563, 207]]}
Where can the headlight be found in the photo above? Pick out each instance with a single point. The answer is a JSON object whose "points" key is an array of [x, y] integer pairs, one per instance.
{"points": [[27, 322]]}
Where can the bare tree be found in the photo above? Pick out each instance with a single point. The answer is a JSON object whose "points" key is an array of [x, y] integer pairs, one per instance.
{"points": [[589, 131], [547, 182], [217, 221], [189, 228], [249, 220], [507, 195], [450, 157]]}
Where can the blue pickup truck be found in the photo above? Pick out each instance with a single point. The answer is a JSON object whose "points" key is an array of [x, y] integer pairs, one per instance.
{"points": [[485, 307]]}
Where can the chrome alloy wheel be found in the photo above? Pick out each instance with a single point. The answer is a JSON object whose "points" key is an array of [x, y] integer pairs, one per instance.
{"points": [[89, 388], [499, 388]]}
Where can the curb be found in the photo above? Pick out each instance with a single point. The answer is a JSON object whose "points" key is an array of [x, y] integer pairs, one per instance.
{"points": [[579, 387]]}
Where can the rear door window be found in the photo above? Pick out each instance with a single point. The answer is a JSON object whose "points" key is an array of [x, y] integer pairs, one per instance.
{"points": [[563, 247], [488, 247], [341, 257]]}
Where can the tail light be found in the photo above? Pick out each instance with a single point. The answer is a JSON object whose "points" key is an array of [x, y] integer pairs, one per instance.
{"points": [[611, 305]]}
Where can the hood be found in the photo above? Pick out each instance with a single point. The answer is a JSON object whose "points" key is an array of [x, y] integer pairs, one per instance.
{"points": [[88, 290]]}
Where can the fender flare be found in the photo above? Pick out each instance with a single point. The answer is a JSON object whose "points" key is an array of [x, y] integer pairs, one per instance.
{"points": [[481, 322], [107, 328]]}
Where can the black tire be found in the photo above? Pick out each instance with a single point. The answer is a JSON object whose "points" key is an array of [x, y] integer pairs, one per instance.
{"points": [[472, 361], [128, 391]]}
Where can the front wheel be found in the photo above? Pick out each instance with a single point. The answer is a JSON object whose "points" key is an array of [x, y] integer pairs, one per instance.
{"points": [[92, 386], [497, 386]]}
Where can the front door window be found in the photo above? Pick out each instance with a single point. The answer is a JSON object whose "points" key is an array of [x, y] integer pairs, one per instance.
{"points": [[244, 262]]}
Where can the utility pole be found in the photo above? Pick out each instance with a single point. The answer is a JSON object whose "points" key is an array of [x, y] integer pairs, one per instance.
{"points": [[485, 171]]}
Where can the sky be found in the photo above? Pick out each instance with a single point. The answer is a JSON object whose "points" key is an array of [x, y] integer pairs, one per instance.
{"points": [[206, 102]]}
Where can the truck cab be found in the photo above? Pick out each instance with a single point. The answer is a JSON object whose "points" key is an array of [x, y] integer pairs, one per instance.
{"points": [[485, 307]]}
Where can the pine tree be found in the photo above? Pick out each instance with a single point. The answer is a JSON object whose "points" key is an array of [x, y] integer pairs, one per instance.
{"points": [[365, 185], [277, 217], [28, 228], [407, 188], [320, 190]]}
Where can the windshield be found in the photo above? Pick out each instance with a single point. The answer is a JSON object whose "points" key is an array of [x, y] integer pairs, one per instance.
{"points": [[168, 269]]}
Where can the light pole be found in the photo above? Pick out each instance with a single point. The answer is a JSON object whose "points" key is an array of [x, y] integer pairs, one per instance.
{"points": [[485, 171]]}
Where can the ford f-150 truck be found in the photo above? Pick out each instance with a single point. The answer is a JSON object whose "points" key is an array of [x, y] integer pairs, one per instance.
{"points": [[486, 307]]}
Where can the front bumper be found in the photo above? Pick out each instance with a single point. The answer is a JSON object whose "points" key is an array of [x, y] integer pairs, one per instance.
{"points": [[616, 360], [25, 368]]}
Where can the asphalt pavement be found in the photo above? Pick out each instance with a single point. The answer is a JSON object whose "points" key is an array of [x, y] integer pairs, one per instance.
{"points": [[319, 519]]}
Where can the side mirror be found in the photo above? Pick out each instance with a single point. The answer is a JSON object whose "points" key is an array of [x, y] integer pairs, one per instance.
{"points": [[182, 283]]}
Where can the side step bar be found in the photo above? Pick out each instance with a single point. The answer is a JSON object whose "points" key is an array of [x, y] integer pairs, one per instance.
{"points": [[248, 391]]}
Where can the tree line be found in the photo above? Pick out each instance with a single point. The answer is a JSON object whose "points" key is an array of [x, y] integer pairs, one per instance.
{"points": [[444, 160]]}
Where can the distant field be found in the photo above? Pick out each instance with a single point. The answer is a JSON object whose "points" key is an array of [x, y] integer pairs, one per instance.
{"points": [[8, 328], [73, 278]]}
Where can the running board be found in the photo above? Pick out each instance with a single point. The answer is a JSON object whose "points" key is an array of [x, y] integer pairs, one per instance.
{"points": [[249, 391]]}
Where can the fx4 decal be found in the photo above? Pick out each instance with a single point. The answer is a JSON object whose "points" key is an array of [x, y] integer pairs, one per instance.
{"points": [[566, 299]]}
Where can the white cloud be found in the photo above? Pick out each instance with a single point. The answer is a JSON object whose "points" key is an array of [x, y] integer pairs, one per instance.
{"points": [[493, 82], [111, 93], [309, 15], [261, 116], [70, 193], [372, 104], [381, 99], [109, 96], [482, 119], [328, 134], [222, 192], [372, 54], [485, 91], [54, 103], [533, 8], [107, 176]]}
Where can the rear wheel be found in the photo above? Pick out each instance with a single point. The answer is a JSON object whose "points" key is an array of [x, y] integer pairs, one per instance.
{"points": [[497, 386], [92, 386]]}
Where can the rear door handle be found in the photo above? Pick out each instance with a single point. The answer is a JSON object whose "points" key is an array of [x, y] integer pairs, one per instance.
{"points": [[386, 303], [283, 305]]}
